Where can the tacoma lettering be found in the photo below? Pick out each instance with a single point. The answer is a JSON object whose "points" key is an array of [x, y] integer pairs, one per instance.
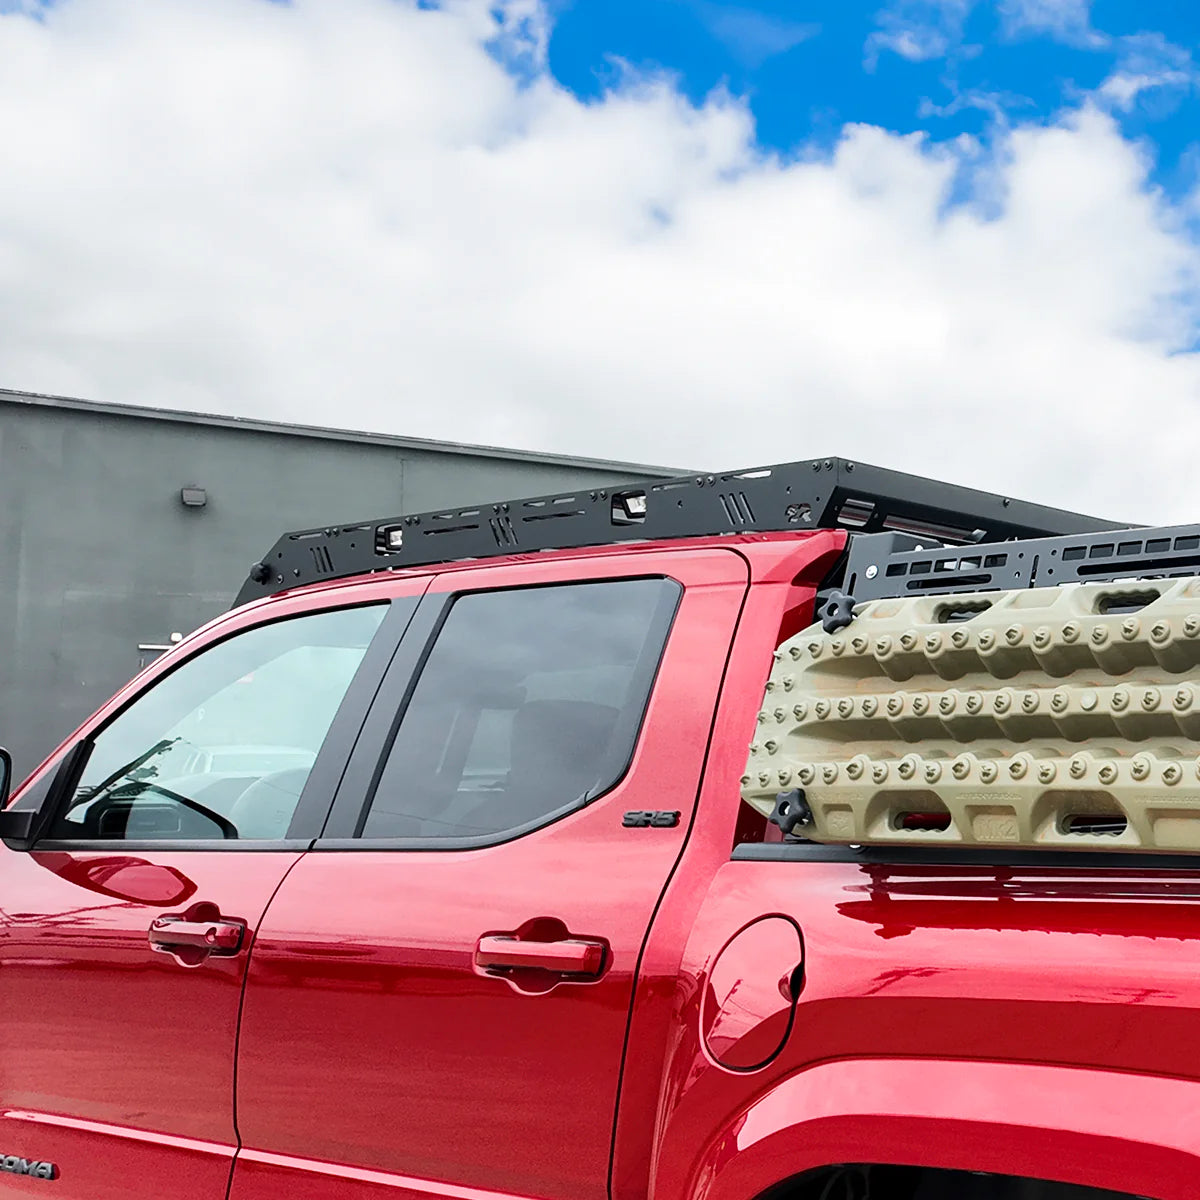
{"points": [[26, 1166]]}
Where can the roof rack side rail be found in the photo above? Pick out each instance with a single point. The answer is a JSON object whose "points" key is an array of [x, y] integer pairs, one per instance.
{"points": [[882, 566], [814, 494]]}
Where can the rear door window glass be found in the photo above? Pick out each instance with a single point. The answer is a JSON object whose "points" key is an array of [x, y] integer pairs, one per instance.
{"points": [[527, 707]]}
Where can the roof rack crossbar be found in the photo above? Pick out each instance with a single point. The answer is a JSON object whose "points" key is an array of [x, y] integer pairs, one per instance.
{"points": [[815, 494]]}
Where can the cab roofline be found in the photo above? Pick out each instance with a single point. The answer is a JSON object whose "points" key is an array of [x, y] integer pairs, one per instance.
{"points": [[750, 545]]}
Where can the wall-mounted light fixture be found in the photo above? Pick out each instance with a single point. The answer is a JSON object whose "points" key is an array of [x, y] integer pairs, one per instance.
{"points": [[193, 496]]}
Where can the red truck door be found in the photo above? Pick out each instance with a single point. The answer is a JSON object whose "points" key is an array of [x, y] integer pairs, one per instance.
{"points": [[125, 933], [439, 993]]}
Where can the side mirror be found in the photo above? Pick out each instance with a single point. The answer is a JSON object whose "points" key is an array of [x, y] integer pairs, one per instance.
{"points": [[21, 827], [14, 826]]}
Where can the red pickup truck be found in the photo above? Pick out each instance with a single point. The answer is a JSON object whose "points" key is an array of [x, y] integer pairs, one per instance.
{"points": [[435, 868]]}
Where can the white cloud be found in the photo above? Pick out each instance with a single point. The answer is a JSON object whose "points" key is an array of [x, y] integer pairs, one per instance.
{"points": [[1065, 20], [1123, 88], [754, 36], [918, 30], [1000, 106], [1149, 68], [918, 44], [349, 211]]}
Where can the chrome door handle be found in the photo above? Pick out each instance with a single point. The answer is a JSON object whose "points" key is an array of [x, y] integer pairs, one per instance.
{"points": [[216, 937], [571, 956]]}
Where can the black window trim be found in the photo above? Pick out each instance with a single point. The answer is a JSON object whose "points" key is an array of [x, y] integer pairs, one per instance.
{"points": [[347, 816], [316, 797]]}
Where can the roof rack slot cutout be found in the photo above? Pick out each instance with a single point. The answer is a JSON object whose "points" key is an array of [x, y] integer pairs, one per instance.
{"points": [[935, 582], [503, 531], [1176, 565], [757, 473], [556, 513], [737, 508], [542, 502], [464, 527]]}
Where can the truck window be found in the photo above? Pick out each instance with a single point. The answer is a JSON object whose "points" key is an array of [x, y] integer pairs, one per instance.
{"points": [[528, 706], [221, 747]]}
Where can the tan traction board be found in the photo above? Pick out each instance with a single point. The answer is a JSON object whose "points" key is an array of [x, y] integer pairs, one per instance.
{"points": [[1045, 718]]}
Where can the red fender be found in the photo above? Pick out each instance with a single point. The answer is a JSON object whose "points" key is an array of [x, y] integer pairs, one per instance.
{"points": [[1130, 1133]]}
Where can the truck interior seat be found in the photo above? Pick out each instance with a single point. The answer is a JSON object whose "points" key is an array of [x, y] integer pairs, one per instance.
{"points": [[266, 807]]}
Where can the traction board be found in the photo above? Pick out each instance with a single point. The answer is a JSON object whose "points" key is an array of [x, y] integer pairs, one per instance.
{"points": [[1055, 718]]}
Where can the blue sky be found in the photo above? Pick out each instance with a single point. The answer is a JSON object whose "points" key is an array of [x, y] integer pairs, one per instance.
{"points": [[808, 67]]}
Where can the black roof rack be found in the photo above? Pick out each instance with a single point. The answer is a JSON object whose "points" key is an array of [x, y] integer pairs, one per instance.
{"points": [[886, 565], [821, 493]]}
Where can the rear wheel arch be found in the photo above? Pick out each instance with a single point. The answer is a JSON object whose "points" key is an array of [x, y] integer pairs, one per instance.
{"points": [[888, 1181], [1117, 1134]]}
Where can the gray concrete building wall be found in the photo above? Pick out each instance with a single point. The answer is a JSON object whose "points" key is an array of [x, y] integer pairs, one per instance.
{"points": [[98, 553]]}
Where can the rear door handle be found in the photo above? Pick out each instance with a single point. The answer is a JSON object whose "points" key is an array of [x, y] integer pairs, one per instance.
{"points": [[571, 956], [212, 937]]}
